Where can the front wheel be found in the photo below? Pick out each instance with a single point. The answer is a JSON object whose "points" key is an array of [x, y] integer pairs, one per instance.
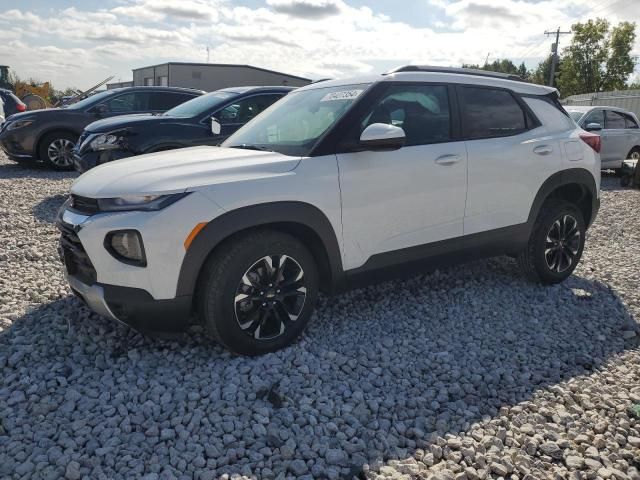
{"points": [[257, 292], [56, 150], [556, 243]]}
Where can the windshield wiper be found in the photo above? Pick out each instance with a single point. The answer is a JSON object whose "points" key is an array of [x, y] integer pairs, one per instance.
{"points": [[248, 146]]}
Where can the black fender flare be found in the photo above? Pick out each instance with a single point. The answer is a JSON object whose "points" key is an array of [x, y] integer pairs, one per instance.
{"points": [[234, 221], [580, 176]]}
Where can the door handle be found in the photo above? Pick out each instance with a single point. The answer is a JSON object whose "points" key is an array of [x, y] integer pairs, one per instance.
{"points": [[543, 150], [448, 159]]}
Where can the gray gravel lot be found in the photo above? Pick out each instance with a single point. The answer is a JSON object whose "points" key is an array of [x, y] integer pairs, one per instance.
{"points": [[463, 374]]}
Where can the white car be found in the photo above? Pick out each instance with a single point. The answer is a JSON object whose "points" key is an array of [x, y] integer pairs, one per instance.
{"points": [[618, 129], [337, 185]]}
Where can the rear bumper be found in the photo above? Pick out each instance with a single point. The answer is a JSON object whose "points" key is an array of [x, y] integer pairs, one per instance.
{"points": [[134, 307]]}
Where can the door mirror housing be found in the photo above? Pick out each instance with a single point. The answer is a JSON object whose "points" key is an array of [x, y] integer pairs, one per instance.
{"points": [[593, 127], [216, 127], [382, 136]]}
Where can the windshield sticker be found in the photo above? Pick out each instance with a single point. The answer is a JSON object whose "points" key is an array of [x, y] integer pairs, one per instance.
{"points": [[344, 95]]}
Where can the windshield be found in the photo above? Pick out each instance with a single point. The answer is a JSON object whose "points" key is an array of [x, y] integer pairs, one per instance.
{"points": [[199, 105], [294, 125], [576, 115], [89, 101]]}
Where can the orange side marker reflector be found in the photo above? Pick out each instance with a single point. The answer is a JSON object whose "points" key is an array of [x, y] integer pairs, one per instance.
{"points": [[193, 234]]}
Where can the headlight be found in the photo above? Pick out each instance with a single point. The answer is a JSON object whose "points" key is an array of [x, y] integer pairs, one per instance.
{"points": [[126, 246], [107, 141], [139, 202], [18, 124]]}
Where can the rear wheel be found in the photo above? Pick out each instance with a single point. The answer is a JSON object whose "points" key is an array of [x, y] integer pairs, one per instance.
{"points": [[556, 243], [56, 150], [634, 154], [258, 292]]}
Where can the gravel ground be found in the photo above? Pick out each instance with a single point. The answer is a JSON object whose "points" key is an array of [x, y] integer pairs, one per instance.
{"points": [[463, 374]]}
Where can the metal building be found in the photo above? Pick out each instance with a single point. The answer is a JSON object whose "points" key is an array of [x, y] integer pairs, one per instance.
{"points": [[211, 76], [111, 86], [627, 99]]}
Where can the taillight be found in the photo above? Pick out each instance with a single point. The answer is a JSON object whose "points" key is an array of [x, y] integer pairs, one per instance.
{"points": [[592, 140], [21, 107]]}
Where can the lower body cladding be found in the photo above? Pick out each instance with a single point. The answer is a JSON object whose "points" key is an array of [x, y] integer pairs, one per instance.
{"points": [[134, 307], [143, 297], [88, 160]]}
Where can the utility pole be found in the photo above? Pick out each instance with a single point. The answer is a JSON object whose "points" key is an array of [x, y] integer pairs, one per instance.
{"points": [[554, 53], [207, 53]]}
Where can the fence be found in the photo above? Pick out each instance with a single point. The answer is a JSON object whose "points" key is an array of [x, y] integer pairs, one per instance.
{"points": [[627, 99]]}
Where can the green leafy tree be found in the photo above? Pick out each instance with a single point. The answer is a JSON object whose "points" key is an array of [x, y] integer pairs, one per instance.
{"points": [[500, 65], [598, 59], [541, 74]]}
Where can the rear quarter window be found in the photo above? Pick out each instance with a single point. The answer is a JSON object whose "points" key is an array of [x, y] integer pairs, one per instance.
{"points": [[551, 118]]}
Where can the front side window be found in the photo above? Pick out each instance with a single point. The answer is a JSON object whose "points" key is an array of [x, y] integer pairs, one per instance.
{"points": [[244, 110], [594, 116], [129, 102], [422, 111], [295, 124], [615, 120], [487, 113]]}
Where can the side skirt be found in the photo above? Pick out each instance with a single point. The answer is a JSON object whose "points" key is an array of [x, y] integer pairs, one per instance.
{"points": [[429, 257]]}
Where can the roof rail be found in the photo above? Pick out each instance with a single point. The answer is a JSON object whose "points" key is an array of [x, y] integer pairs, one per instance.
{"points": [[460, 71]]}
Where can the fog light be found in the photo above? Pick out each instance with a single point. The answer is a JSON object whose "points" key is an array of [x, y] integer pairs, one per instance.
{"points": [[126, 246]]}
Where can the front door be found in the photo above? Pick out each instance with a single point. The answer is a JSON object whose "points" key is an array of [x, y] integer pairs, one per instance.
{"points": [[412, 196]]}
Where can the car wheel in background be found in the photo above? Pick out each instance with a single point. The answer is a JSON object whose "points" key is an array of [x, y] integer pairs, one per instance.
{"points": [[556, 243], [258, 291], [56, 150]]}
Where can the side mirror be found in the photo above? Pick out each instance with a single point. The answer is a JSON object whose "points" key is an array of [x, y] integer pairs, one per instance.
{"points": [[593, 127], [381, 136], [216, 128]]}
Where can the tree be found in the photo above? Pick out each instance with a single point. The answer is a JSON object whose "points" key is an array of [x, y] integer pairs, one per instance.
{"points": [[598, 58], [502, 66], [541, 74]]}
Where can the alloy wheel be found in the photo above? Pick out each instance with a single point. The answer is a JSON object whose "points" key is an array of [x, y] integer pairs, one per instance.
{"points": [[635, 155], [562, 244], [270, 296], [60, 152]]}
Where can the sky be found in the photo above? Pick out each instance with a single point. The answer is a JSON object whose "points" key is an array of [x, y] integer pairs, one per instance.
{"points": [[77, 44]]}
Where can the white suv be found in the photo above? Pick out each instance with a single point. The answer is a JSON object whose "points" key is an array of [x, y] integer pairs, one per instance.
{"points": [[339, 184]]}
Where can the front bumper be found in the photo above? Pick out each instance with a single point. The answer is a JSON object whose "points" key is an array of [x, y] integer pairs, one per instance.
{"points": [[128, 304], [85, 161], [17, 144], [134, 307]]}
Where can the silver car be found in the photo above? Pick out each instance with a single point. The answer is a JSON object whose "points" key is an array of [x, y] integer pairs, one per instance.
{"points": [[618, 129]]}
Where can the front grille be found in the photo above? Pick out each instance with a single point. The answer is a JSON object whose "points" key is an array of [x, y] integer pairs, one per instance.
{"points": [[84, 204], [74, 256]]}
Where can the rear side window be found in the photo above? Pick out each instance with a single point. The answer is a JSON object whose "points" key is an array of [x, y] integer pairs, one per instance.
{"points": [[488, 112], [615, 120], [163, 101]]}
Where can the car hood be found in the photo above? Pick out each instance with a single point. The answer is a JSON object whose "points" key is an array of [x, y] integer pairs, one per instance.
{"points": [[123, 121], [185, 169]]}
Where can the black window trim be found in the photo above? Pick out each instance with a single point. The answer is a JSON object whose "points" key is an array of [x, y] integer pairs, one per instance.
{"points": [[529, 115]]}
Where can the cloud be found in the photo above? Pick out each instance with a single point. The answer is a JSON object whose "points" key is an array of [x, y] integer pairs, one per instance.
{"points": [[158, 10], [307, 9]]}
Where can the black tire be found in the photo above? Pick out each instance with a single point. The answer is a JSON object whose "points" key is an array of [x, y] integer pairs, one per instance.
{"points": [[62, 142], [222, 284], [537, 259], [634, 154]]}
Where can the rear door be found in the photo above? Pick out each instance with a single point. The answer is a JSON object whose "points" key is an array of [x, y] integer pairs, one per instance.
{"points": [[509, 157], [615, 139]]}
